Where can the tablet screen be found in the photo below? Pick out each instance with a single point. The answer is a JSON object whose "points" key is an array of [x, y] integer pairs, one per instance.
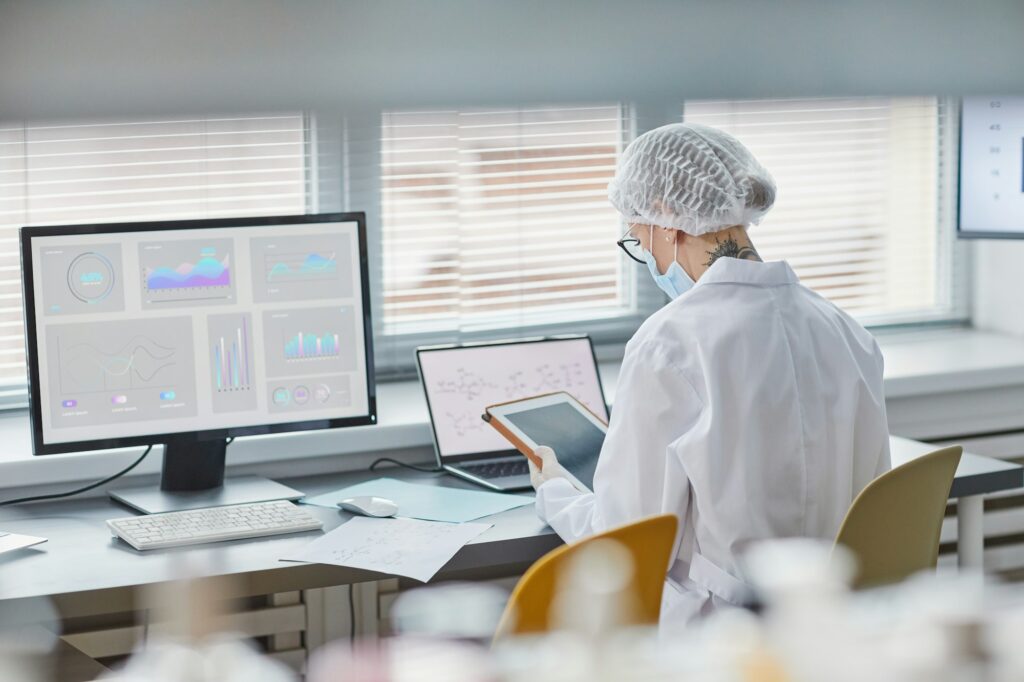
{"points": [[575, 439]]}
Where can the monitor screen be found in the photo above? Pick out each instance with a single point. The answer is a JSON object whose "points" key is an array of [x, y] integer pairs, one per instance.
{"points": [[232, 326], [992, 167], [461, 381]]}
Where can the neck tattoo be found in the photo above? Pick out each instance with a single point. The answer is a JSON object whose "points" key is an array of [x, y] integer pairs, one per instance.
{"points": [[729, 248]]}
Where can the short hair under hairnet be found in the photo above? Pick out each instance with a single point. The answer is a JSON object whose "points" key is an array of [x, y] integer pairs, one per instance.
{"points": [[692, 178]]}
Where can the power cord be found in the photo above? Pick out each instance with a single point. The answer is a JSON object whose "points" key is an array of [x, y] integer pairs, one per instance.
{"points": [[351, 613], [97, 484], [426, 470]]}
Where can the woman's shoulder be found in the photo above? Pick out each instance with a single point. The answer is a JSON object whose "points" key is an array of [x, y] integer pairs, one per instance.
{"points": [[670, 329], [661, 343]]}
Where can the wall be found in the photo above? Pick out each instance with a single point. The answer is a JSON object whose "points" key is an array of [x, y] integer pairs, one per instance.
{"points": [[76, 57], [999, 286]]}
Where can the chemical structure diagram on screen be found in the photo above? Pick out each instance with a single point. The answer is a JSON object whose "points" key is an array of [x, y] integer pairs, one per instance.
{"points": [[465, 422], [563, 377], [468, 392], [467, 385]]}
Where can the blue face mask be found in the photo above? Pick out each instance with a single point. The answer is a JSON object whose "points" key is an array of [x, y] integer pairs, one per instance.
{"points": [[675, 282]]}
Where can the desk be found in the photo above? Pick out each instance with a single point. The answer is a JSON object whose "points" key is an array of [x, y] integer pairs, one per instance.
{"points": [[82, 558], [81, 563], [975, 477]]}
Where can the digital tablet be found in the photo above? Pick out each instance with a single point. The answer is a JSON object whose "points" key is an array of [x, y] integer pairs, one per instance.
{"points": [[558, 421]]}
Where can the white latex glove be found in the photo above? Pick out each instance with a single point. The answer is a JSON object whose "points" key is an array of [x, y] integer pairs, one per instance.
{"points": [[550, 468]]}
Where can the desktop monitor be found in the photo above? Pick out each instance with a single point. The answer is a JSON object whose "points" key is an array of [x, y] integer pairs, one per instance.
{"points": [[188, 333], [991, 175]]}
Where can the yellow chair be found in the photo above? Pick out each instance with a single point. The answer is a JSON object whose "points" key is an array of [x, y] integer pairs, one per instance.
{"points": [[649, 541], [893, 526]]}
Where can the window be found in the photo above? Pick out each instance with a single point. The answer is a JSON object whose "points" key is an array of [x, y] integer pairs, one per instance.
{"points": [[500, 218], [862, 211], [496, 221], [110, 171]]}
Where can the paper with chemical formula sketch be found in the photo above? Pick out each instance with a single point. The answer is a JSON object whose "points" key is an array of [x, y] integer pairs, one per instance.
{"points": [[406, 547]]}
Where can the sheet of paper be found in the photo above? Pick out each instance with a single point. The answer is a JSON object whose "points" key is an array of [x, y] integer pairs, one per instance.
{"points": [[428, 502], [10, 541], [407, 547]]}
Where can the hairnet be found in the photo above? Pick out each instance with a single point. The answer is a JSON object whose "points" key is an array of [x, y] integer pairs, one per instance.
{"points": [[690, 177]]}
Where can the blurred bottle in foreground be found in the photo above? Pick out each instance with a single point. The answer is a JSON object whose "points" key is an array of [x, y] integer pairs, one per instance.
{"points": [[442, 634], [28, 636], [186, 642]]}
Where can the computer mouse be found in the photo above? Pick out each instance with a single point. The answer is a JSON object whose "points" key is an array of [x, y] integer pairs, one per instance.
{"points": [[369, 506]]}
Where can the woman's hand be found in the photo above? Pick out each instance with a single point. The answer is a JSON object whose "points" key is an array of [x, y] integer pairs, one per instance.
{"points": [[549, 469]]}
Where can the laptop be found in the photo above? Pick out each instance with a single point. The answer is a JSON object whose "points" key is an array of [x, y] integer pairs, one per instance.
{"points": [[459, 381]]}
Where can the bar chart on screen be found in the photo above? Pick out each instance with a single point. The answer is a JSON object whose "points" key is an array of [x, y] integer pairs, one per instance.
{"points": [[310, 341], [231, 365], [310, 346]]}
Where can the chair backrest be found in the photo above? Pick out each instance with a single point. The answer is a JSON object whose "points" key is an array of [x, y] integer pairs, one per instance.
{"points": [[893, 526], [649, 541]]}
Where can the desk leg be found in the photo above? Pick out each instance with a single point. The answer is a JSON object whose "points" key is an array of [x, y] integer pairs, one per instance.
{"points": [[970, 544]]}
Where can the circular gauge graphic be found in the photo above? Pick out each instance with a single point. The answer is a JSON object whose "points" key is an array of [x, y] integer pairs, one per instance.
{"points": [[322, 393], [300, 394], [91, 277]]}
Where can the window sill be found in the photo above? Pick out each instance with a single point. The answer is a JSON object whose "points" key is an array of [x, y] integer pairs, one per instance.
{"points": [[918, 364]]}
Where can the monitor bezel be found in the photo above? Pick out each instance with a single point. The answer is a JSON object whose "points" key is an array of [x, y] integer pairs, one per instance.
{"points": [[442, 460], [27, 234]]}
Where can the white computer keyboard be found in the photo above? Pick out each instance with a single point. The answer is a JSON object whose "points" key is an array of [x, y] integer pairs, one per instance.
{"points": [[197, 526]]}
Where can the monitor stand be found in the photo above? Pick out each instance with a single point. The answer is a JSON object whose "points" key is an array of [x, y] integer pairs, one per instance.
{"points": [[193, 478]]}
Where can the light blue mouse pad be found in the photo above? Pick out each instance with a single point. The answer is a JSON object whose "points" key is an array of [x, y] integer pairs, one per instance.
{"points": [[428, 502]]}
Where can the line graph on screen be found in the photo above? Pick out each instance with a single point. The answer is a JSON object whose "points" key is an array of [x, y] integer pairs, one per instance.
{"points": [[141, 362], [300, 267]]}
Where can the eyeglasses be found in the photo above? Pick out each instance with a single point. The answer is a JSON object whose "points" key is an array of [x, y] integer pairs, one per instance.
{"points": [[631, 247]]}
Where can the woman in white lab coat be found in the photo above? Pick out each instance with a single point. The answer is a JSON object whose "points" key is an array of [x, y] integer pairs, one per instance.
{"points": [[748, 406]]}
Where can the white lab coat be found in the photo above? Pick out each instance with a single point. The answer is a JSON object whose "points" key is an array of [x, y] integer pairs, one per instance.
{"points": [[751, 408]]}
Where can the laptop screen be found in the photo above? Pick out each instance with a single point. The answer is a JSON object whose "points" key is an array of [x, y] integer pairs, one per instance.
{"points": [[461, 381]]}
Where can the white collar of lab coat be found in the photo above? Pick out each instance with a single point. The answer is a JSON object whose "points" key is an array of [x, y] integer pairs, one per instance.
{"points": [[756, 273]]}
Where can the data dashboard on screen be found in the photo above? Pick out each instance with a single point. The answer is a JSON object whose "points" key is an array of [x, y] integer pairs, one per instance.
{"points": [[992, 167], [168, 331]]}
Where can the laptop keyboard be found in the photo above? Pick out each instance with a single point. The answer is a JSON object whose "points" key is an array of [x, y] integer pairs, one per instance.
{"points": [[501, 469]]}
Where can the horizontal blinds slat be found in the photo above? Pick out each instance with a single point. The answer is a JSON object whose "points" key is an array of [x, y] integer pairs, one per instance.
{"points": [[857, 179], [480, 208], [125, 170]]}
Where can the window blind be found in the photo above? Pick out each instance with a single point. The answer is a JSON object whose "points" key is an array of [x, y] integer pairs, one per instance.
{"points": [[858, 213], [499, 217], [127, 170]]}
